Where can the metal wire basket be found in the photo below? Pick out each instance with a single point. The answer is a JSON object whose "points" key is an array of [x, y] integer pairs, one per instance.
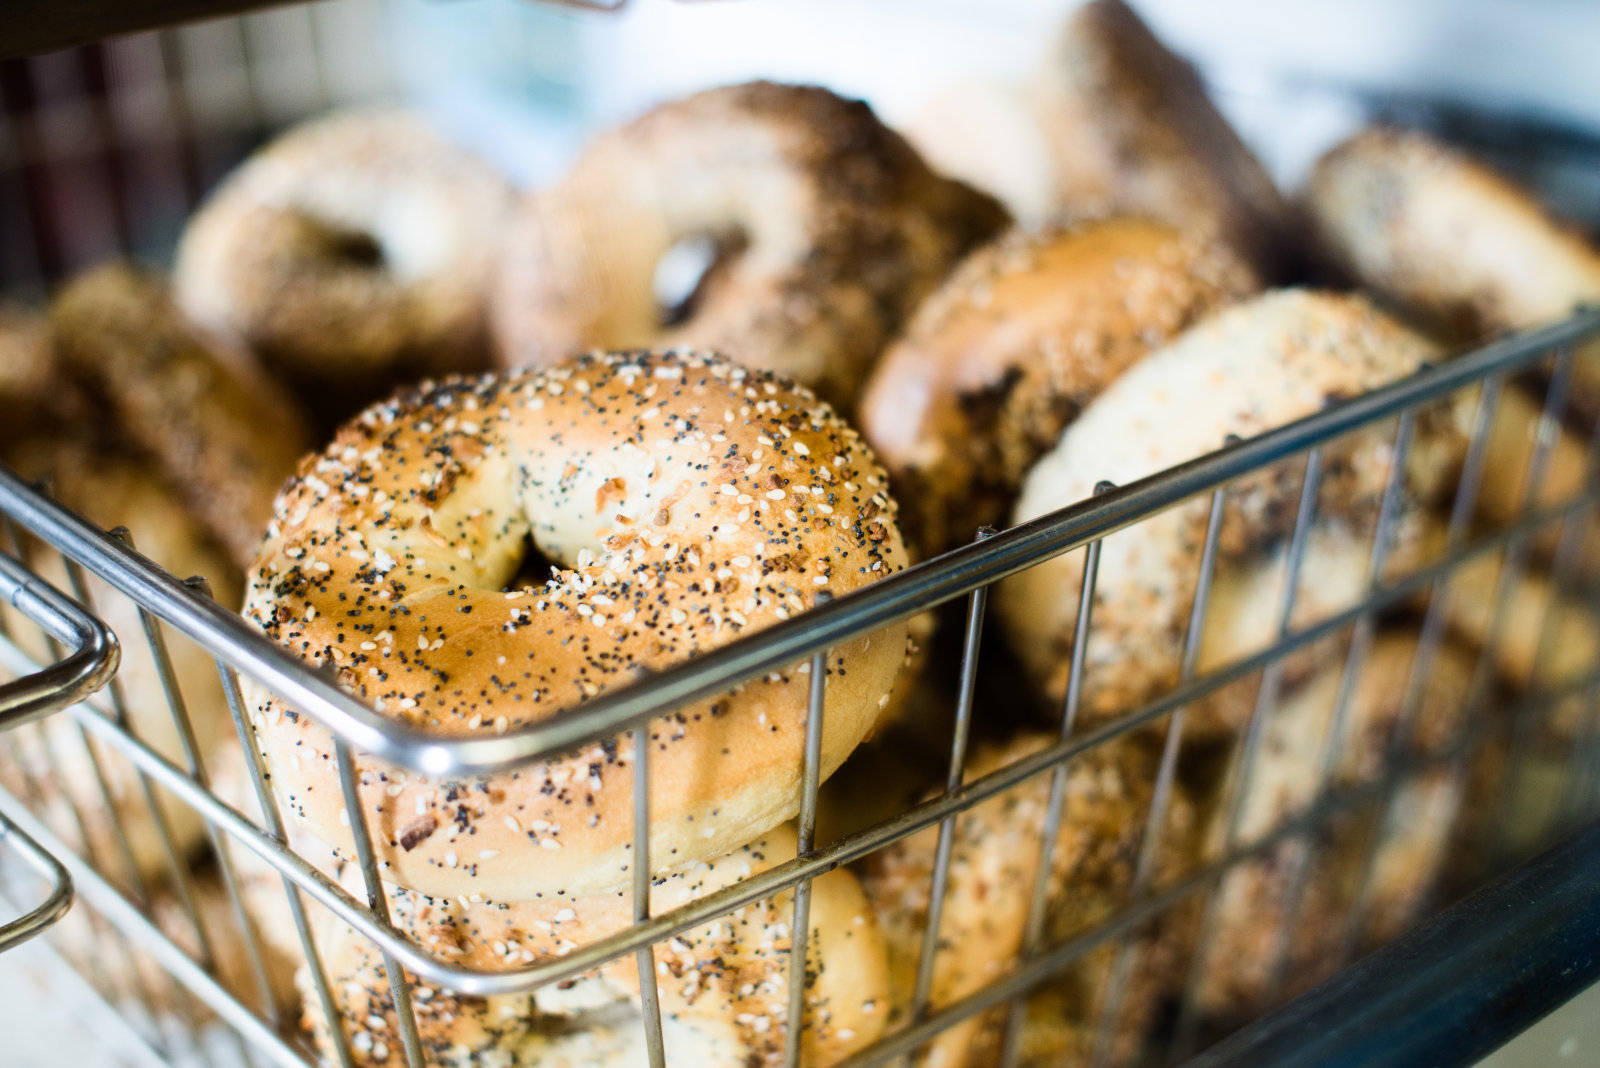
{"points": [[173, 959], [187, 614]]}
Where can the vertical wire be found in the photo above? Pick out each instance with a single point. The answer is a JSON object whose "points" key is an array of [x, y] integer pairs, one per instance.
{"points": [[273, 819], [19, 98], [1160, 798], [1336, 735], [645, 958], [230, 883], [136, 882], [1238, 787], [960, 734], [182, 886], [800, 929], [119, 714], [399, 986], [1039, 893], [1516, 551], [186, 148], [112, 177]]}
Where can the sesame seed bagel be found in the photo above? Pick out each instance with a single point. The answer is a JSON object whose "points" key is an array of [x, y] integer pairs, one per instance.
{"points": [[1024, 334], [352, 251], [685, 500], [725, 981], [829, 230], [1250, 368]]}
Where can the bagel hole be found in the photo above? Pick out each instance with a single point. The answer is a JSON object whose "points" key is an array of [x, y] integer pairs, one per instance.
{"points": [[687, 270], [532, 570], [355, 249], [337, 244]]}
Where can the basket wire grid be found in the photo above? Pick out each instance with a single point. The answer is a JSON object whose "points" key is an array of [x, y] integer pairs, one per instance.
{"points": [[170, 608]]}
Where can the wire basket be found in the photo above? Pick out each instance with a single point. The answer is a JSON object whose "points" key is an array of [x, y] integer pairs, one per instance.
{"points": [[187, 615], [108, 788]]}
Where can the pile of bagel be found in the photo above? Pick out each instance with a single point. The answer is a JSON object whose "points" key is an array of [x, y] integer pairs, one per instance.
{"points": [[485, 454]]}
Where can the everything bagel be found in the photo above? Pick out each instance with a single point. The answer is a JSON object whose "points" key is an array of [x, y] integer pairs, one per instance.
{"points": [[1253, 367], [719, 983], [829, 228], [686, 500], [1007, 352], [354, 250]]}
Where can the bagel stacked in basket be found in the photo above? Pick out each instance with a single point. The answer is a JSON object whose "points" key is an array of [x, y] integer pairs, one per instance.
{"points": [[684, 334]]}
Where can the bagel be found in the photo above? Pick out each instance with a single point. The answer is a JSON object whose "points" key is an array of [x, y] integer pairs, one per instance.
{"points": [[994, 862], [1130, 128], [1450, 241], [829, 231], [1253, 903], [224, 437], [1024, 334], [115, 490], [1248, 369], [1547, 638], [686, 500], [36, 397], [723, 985], [352, 252]]}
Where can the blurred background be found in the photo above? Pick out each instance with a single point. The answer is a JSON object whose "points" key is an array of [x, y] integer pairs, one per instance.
{"points": [[104, 148]]}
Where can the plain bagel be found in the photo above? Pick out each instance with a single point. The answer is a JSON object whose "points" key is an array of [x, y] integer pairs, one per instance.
{"points": [[828, 227], [686, 501]]}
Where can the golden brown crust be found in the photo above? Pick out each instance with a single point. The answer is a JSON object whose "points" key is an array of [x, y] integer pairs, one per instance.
{"points": [[1007, 352], [993, 866], [1253, 367], [353, 252], [222, 435], [1253, 904], [726, 979], [843, 230], [1132, 128], [687, 500]]}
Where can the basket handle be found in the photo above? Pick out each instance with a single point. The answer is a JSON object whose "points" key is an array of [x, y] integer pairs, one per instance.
{"points": [[43, 916], [92, 658]]}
